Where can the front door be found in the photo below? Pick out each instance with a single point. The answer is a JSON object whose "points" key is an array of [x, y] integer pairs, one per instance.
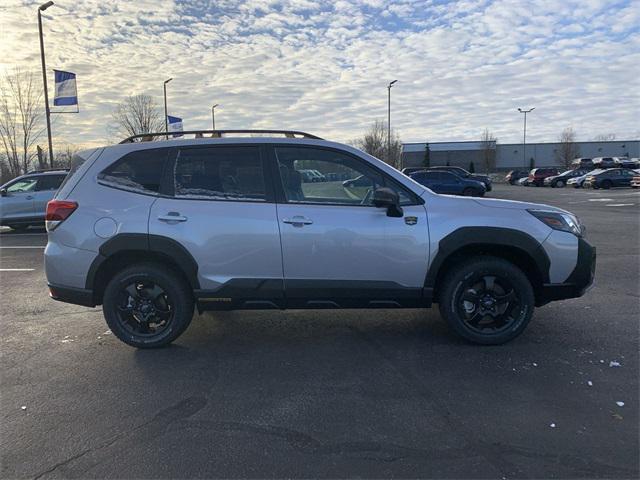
{"points": [[338, 248], [221, 209], [17, 203]]}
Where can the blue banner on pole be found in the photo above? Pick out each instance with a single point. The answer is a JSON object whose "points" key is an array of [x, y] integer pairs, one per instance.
{"points": [[66, 93], [175, 125]]}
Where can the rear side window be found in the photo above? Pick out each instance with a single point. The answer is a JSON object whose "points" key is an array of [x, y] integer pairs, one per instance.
{"points": [[220, 173], [139, 171], [49, 182]]}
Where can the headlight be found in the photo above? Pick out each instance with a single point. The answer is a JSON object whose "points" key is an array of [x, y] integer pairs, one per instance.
{"points": [[564, 222]]}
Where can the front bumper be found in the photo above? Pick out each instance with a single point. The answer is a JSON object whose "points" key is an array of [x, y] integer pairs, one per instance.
{"points": [[579, 281]]}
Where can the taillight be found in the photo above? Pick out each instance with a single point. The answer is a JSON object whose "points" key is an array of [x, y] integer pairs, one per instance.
{"points": [[57, 212]]}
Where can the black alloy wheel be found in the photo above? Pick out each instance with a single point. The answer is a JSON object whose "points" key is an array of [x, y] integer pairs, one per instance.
{"points": [[487, 300]]}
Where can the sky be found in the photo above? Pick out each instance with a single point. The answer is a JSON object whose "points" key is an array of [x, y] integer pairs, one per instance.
{"points": [[324, 66]]}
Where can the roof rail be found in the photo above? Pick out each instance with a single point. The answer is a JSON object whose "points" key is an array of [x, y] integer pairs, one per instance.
{"points": [[44, 170], [147, 137]]}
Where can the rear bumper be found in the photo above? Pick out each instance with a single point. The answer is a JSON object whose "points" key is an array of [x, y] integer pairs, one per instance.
{"points": [[579, 281], [77, 296]]}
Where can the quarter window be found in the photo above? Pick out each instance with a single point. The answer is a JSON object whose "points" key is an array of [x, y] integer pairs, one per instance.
{"points": [[220, 173], [139, 171]]}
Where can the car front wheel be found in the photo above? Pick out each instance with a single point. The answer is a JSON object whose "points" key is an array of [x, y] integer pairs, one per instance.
{"points": [[487, 300], [147, 306], [560, 184]]}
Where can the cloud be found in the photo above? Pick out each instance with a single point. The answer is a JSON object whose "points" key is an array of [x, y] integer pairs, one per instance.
{"points": [[323, 66]]}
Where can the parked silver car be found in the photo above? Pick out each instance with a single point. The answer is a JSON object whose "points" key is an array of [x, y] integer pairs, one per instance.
{"points": [[152, 229], [23, 200]]}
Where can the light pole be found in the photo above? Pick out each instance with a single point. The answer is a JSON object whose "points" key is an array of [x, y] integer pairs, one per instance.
{"points": [[41, 9], [213, 115], [166, 117], [389, 119], [524, 136]]}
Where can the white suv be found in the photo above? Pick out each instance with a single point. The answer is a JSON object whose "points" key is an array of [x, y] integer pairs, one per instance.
{"points": [[152, 229]]}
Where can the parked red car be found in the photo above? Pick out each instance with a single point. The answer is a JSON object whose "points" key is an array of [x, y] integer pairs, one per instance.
{"points": [[537, 175]]}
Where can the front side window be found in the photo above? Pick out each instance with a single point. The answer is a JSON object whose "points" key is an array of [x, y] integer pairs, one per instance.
{"points": [[24, 185], [139, 171], [220, 173], [343, 179]]}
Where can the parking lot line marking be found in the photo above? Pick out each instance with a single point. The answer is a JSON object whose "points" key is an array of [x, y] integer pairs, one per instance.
{"points": [[619, 204], [21, 246], [17, 269], [601, 199]]}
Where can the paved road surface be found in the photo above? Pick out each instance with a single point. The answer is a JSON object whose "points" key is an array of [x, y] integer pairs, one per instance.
{"points": [[329, 393]]}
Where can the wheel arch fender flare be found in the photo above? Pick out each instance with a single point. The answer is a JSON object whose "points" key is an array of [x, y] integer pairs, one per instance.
{"points": [[497, 241], [143, 246]]}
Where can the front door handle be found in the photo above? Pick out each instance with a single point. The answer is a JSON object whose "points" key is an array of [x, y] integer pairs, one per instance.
{"points": [[297, 221], [172, 217], [29, 197]]}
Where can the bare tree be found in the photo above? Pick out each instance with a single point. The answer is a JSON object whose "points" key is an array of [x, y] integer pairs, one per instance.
{"points": [[374, 142], [137, 114], [21, 115], [488, 150], [64, 154], [568, 149], [605, 137]]}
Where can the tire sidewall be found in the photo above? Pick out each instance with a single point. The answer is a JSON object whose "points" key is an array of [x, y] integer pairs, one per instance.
{"points": [[182, 303], [455, 282]]}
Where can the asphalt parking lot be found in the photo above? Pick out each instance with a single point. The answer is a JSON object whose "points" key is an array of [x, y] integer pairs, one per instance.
{"points": [[373, 393]]}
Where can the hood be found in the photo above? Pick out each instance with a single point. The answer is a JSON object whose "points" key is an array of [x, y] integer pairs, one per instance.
{"points": [[514, 204]]}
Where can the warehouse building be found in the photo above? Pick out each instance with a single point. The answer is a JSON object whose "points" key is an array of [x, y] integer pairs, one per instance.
{"points": [[507, 156]]}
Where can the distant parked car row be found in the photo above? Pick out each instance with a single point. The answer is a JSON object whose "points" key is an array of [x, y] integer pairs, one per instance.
{"points": [[450, 180], [602, 172]]}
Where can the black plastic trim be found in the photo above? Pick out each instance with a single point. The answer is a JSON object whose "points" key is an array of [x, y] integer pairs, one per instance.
{"points": [[158, 244], [77, 296], [580, 279], [253, 293], [493, 236]]}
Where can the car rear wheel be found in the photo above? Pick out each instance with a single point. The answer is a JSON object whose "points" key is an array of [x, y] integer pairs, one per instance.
{"points": [[147, 306], [487, 300]]}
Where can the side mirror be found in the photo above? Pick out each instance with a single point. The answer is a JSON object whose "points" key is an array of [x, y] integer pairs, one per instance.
{"points": [[386, 198], [3, 192]]}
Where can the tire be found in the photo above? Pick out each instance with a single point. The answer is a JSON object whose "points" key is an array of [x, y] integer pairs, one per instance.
{"points": [[606, 184], [166, 297], [468, 192], [472, 280], [560, 184]]}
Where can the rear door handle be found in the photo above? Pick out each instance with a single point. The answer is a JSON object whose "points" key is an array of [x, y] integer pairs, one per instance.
{"points": [[29, 197], [172, 217], [297, 221]]}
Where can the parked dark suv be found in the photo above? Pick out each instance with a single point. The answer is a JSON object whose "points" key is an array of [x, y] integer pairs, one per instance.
{"points": [[613, 177], [461, 172], [559, 181], [537, 175], [514, 175], [449, 183]]}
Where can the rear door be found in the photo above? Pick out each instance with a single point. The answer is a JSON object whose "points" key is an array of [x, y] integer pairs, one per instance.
{"points": [[338, 248], [221, 208], [45, 190]]}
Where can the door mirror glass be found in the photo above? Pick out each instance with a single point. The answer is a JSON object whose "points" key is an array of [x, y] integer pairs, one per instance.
{"points": [[3, 192], [387, 198]]}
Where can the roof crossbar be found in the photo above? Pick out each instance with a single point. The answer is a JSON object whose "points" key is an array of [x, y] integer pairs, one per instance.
{"points": [[147, 137]]}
